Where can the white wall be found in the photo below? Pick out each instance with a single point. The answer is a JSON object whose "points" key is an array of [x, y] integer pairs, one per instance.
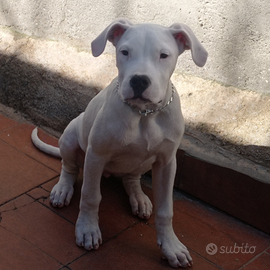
{"points": [[235, 32]]}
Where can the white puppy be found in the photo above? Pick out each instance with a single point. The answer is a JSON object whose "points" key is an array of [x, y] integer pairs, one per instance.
{"points": [[132, 126]]}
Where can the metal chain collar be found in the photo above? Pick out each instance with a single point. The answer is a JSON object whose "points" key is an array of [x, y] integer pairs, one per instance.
{"points": [[147, 111]]}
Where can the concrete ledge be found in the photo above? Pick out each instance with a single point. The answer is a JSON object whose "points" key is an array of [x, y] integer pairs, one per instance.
{"points": [[48, 81], [232, 192]]}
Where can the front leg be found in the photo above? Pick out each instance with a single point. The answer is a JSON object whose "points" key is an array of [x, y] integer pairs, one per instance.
{"points": [[171, 248], [87, 230]]}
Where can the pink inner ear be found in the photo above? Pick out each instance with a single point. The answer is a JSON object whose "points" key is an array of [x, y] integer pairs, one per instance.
{"points": [[181, 38], [119, 31]]}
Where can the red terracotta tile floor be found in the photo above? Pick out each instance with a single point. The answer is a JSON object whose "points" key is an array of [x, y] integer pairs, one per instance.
{"points": [[34, 235]]}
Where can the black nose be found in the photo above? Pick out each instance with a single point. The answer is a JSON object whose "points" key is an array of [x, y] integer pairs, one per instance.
{"points": [[139, 83]]}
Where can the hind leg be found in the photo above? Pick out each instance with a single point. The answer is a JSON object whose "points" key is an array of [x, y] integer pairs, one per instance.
{"points": [[62, 192]]}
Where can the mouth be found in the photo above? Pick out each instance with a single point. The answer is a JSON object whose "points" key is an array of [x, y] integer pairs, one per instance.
{"points": [[137, 100], [143, 105], [145, 100]]}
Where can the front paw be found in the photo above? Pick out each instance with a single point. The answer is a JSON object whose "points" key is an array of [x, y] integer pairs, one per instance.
{"points": [[87, 233], [174, 251]]}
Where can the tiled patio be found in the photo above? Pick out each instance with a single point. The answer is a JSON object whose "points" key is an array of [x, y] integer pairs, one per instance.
{"points": [[34, 235]]}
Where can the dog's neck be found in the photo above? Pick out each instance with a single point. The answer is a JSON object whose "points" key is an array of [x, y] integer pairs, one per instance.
{"points": [[146, 112]]}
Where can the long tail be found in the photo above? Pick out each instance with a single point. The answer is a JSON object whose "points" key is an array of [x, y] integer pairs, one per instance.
{"points": [[44, 147]]}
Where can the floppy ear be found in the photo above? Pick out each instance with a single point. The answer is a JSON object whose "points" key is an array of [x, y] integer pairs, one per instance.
{"points": [[112, 33], [185, 40]]}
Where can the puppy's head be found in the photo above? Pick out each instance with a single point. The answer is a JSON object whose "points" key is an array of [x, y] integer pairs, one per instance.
{"points": [[146, 55]]}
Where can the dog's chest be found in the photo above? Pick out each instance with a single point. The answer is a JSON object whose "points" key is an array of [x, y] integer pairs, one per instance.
{"points": [[134, 146], [143, 136], [133, 153]]}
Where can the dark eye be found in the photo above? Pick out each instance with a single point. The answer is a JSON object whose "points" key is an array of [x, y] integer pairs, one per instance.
{"points": [[124, 52], [163, 56]]}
